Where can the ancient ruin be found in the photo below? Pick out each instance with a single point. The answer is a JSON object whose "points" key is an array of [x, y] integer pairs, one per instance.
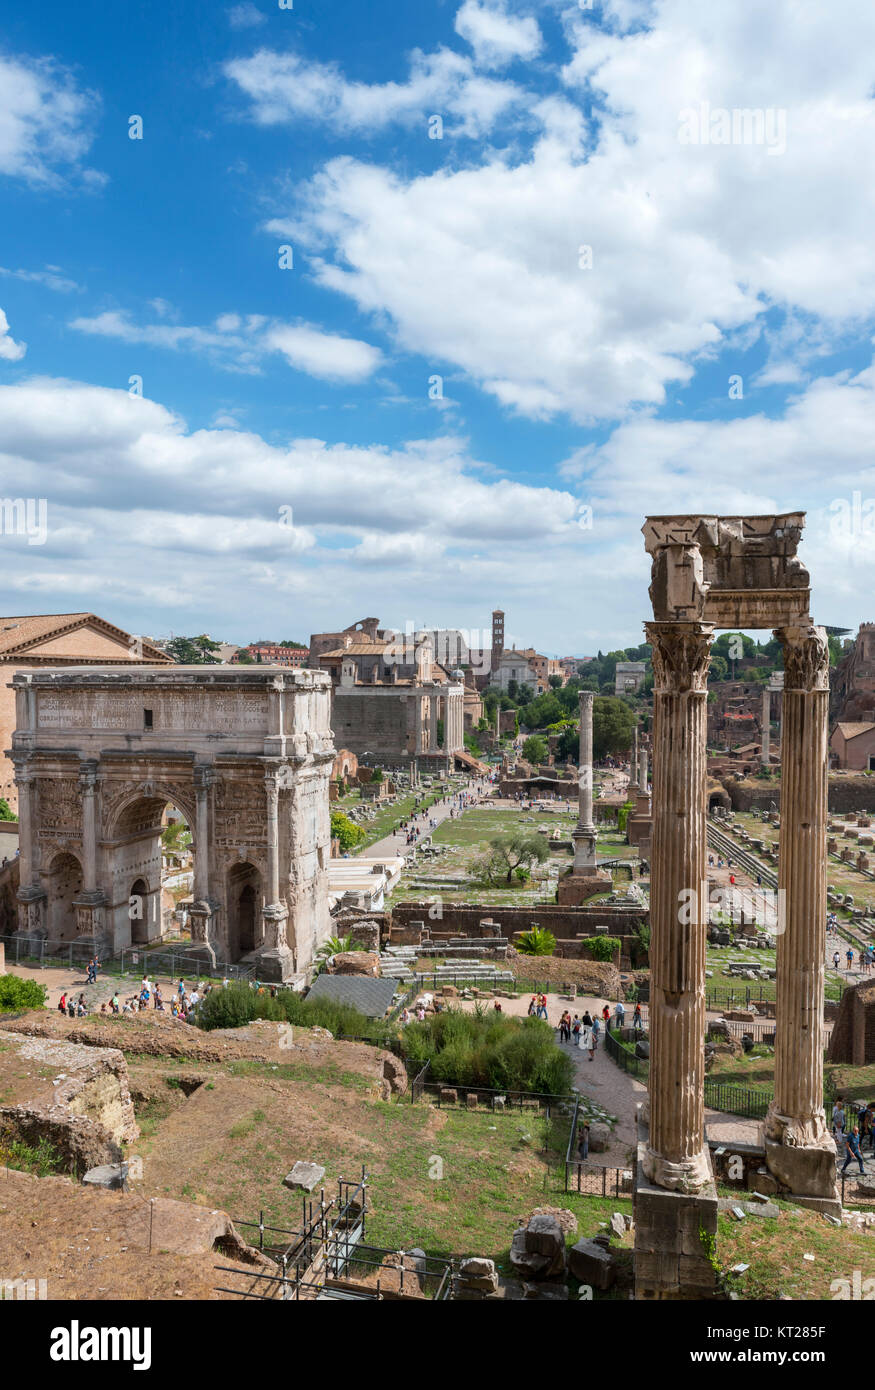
{"points": [[739, 572], [244, 753]]}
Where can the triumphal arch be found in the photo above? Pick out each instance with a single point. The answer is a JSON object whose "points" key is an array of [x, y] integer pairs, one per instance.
{"points": [[713, 572], [242, 754]]}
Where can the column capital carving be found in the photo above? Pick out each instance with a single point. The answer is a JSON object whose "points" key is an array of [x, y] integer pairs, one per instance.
{"points": [[681, 655], [204, 776], [806, 657], [24, 771], [88, 776]]}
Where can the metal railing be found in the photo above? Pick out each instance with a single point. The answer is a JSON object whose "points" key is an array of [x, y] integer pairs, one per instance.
{"points": [[736, 1100], [625, 1057]]}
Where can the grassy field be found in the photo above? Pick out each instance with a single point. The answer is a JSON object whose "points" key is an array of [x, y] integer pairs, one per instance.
{"points": [[468, 838], [774, 1249], [451, 1181]]}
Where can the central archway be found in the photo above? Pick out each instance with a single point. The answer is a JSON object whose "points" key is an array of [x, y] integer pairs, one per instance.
{"points": [[63, 886], [245, 902]]}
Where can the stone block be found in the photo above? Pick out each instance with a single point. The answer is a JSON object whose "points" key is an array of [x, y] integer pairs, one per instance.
{"points": [[303, 1177], [599, 1138], [592, 1264]]}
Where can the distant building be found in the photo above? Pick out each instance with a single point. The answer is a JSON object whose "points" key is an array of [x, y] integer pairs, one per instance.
{"points": [[852, 746], [629, 677], [272, 654]]}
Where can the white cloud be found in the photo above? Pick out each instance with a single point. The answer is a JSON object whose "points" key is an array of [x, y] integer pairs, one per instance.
{"points": [[285, 87], [246, 16], [240, 342], [479, 267], [50, 276], [45, 122], [10, 351], [325, 355], [496, 36]]}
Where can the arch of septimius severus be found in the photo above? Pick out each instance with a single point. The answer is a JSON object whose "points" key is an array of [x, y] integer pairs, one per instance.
{"points": [[713, 572], [245, 754]]}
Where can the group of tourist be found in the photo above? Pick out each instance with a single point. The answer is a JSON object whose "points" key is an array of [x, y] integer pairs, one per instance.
{"points": [[70, 1007], [93, 967], [538, 1006], [866, 959]]}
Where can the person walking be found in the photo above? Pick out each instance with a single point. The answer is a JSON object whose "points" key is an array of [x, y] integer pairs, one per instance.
{"points": [[836, 960], [596, 1029], [62, 1003], [620, 1013], [637, 1020], [838, 1119], [849, 957], [583, 1141], [852, 1150], [575, 1030]]}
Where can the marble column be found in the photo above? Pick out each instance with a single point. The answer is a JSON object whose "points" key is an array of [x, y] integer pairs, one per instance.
{"points": [[633, 766], [642, 782], [24, 782], [202, 783], [676, 1157], [766, 735], [799, 1149], [88, 791], [433, 723], [584, 833], [273, 859]]}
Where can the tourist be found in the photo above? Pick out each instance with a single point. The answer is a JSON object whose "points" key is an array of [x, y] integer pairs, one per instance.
{"points": [[405, 1017], [637, 1021], [606, 1016], [575, 1030], [596, 1029], [81, 1007], [71, 1007], [496, 1007], [158, 1001], [593, 1043], [181, 988], [542, 1007], [836, 960], [849, 956], [565, 1028], [583, 1141], [620, 1013], [533, 1008], [114, 1004], [852, 1150], [62, 1003], [838, 1118]]}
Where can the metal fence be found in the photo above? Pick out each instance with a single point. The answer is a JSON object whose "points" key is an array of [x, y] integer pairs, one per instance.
{"points": [[625, 1057], [737, 1100], [417, 1083], [590, 1180], [446, 1094], [45, 953]]}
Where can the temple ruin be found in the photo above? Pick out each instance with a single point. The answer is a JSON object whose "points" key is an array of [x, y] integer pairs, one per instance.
{"points": [[713, 572]]}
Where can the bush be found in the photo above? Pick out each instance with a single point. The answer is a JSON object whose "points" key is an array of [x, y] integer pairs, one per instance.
{"points": [[489, 1049], [239, 1004], [536, 942], [345, 831], [603, 947], [16, 993]]}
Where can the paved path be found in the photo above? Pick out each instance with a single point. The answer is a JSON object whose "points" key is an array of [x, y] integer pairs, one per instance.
{"points": [[395, 846]]}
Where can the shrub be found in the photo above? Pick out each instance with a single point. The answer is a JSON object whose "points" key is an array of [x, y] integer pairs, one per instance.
{"points": [[603, 947], [345, 831], [239, 1004], [536, 942], [488, 1049], [16, 993]]}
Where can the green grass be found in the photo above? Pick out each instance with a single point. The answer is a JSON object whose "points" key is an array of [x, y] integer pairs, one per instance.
{"points": [[41, 1159]]}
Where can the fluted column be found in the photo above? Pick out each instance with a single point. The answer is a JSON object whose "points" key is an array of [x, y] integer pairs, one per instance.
{"points": [[584, 834], [88, 790], [202, 783], [273, 860], [433, 722], [799, 1149], [675, 1157], [765, 739], [25, 785]]}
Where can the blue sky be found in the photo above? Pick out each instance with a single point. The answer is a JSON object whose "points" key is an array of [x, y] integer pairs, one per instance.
{"points": [[599, 289]]}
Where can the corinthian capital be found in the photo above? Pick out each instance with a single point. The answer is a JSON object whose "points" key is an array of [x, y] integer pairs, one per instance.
{"points": [[806, 657], [681, 655]]}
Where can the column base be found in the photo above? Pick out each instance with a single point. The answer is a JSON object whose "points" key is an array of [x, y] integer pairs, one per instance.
{"points": [[201, 916], [276, 965], [689, 1177], [801, 1156], [32, 905], [675, 1237], [581, 884]]}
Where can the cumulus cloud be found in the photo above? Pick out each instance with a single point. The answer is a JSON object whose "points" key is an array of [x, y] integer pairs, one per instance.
{"points": [[45, 122], [497, 37], [239, 342], [286, 87], [10, 351], [625, 251]]}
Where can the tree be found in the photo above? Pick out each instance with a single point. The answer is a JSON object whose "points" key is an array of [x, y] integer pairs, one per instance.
{"points": [[556, 682], [515, 851], [613, 725], [5, 812], [345, 831], [193, 651], [718, 667], [535, 749]]}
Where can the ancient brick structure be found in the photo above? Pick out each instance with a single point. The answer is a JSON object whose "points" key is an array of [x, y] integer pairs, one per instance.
{"points": [[245, 753], [853, 1036]]}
